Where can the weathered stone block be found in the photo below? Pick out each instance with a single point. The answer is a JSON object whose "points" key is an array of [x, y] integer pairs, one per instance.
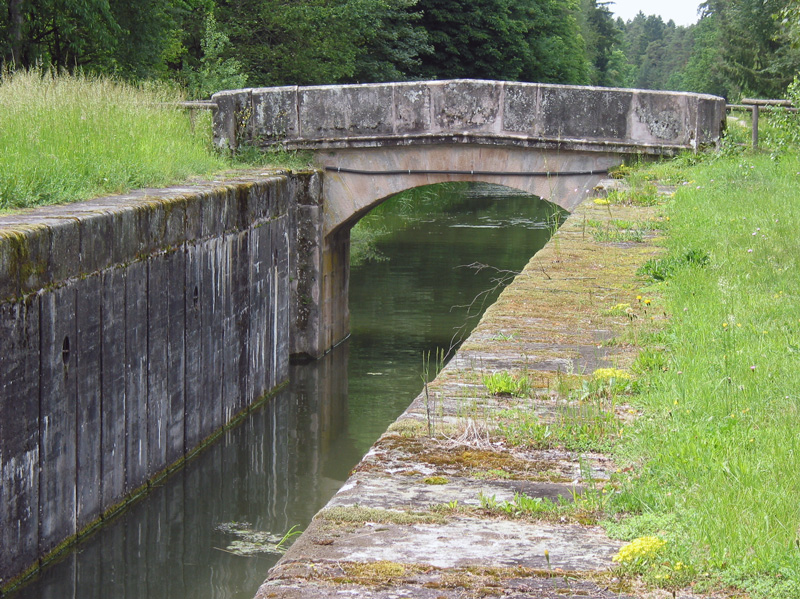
{"points": [[214, 294], [711, 120], [254, 206], [96, 242], [19, 435], [58, 399], [136, 376], [65, 248], [661, 119], [521, 108], [232, 119], [176, 353], [193, 225], [113, 465], [89, 374], [330, 111], [585, 113], [412, 107], [195, 309], [465, 105], [9, 264], [174, 208], [275, 115], [157, 332], [305, 189]]}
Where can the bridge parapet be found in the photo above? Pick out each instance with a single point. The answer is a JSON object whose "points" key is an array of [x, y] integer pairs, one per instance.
{"points": [[472, 112]]}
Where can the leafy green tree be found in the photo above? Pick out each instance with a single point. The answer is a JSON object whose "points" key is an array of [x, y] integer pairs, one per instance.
{"points": [[323, 41], [126, 37], [393, 42], [754, 59], [64, 33], [602, 36], [535, 40], [216, 72]]}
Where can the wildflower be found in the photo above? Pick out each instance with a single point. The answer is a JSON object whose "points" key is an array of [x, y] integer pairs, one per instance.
{"points": [[724, 325], [639, 550], [601, 202], [647, 302], [753, 367], [610, 373], [638, 298], [750, 251]]}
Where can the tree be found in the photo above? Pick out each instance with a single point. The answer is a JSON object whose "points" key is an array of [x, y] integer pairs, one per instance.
{"points": [[753, 58], [602, 37], [393, 42], [535, 40]]}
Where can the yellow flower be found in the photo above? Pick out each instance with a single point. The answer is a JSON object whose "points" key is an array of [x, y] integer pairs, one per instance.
{"points": [[610, 373], [602, 202], [647, 302], [641, 549]]}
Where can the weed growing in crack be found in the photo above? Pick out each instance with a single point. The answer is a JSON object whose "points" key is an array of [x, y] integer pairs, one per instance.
{"points": [[505, 384]]}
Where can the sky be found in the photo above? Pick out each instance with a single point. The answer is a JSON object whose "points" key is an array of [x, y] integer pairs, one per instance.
{"points": [[683, 12]]}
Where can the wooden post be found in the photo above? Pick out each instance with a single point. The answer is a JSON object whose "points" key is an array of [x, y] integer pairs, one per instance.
{"points": [[755, 105], [755, 126]]}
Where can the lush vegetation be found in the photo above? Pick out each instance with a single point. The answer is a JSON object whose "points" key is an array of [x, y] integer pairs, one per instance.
{"points": [[714, 463], [739, 47], [68, 138]]}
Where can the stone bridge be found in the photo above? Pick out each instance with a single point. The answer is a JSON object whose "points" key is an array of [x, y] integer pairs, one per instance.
{"points": [[376, 140]]}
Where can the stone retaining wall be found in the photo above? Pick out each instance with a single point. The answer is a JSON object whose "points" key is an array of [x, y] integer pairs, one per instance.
{"points": [[132, 328]]}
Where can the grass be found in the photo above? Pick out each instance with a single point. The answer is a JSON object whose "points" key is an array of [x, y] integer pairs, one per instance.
{"points": [[716, 454], [66, 138], [584, 426], [620, 231], [506, 384]]}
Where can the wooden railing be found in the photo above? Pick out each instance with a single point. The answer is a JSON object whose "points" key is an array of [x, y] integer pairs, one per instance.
{"points": [[754, 106]]}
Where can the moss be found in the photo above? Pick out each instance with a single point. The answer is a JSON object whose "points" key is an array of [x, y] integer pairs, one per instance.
{"points": [[408, 427], [380, 573], [357, 514], [436, 480]]}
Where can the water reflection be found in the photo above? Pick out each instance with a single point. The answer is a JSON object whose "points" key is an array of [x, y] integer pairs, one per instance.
{"points": [[274, 471]]}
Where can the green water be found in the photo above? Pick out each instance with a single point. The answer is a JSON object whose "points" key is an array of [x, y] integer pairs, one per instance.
{"points": [[285, 461]]}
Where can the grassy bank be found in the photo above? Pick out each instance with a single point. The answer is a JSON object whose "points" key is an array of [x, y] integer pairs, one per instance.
{"points": [[715, 456], [65, 138]]}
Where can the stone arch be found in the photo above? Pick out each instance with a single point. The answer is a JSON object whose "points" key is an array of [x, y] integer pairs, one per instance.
{"points": [[358, 179]]}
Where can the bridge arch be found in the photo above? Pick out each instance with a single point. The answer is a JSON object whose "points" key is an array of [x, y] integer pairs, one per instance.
{"points": [[358, 180]]}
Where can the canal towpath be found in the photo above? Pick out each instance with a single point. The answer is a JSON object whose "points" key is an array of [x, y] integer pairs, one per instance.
{"points": [[474, 493]]}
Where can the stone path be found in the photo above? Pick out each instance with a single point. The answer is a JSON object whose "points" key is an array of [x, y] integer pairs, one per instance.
{"points": [[422, 515]]}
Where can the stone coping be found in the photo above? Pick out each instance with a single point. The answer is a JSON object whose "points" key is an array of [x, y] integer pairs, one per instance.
{"points": [[45, 246]]}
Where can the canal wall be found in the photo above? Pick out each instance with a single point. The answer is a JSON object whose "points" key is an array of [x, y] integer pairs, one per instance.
{"points": [[132, 329]]}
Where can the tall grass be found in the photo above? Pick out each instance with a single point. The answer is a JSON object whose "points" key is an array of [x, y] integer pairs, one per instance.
{"points": [[65, 138], [719, 448]]}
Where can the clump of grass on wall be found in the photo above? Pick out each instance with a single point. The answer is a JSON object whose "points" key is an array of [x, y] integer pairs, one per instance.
{"points": [[71, 137]]}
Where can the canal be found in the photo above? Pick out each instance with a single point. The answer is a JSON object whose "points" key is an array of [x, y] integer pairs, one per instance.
{"points": [[434, 259]]}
